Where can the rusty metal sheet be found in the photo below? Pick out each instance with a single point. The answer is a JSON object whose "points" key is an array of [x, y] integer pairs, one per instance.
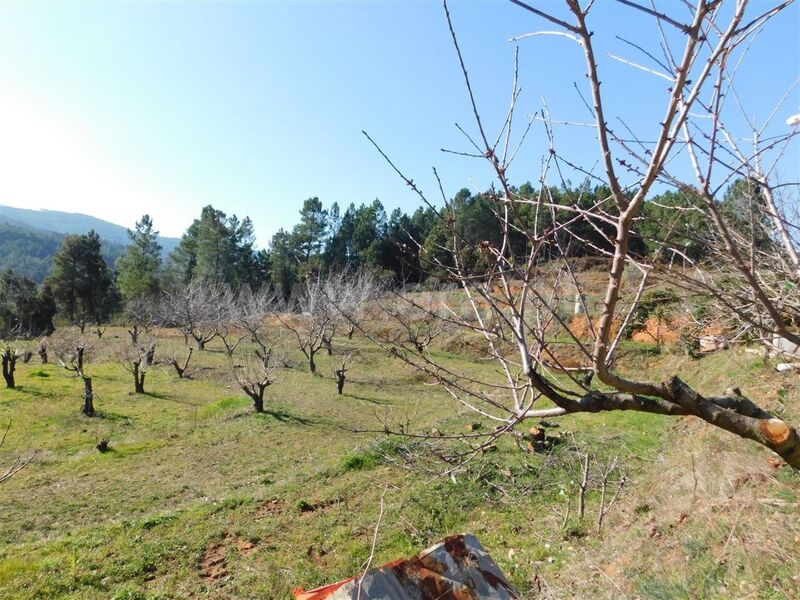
{"points": [[458, 568]]}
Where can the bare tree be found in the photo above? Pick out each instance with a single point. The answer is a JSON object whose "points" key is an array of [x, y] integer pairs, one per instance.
{"points": [[226, 320], [509, 282], [180, 363], [11, 354], [421, 318], [41, 350], [357, 292], [141, 313], [315, 327], [254, 374], [72, 351], [340, 369], [253, 310], [137, 359], [192, 309]]}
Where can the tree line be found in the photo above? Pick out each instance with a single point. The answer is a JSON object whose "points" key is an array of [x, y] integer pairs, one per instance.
{"points": [[83, 288]]}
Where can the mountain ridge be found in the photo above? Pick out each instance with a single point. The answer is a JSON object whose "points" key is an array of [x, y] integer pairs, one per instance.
{"points": [[30, 238], [73, 223]]}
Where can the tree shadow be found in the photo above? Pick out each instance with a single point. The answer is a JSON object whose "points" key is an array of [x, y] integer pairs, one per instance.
{"points": [[24, 389], [112, 416], [285, 417], [278, 414], [375, 401]]}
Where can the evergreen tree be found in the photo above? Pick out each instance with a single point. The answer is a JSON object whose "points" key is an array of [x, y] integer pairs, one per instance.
{"points": [[81, 281], [137, 268], [283, 265], [217, 248], [339, 247], [308, 236], [24, 311]]}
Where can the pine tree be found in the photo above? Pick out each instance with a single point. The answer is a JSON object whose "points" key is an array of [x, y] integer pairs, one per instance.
{"points": [[137, 268], [309, 234], [81, 281]]}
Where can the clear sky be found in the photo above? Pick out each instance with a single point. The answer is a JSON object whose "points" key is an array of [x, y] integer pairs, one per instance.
{"points": [[117, 109]]}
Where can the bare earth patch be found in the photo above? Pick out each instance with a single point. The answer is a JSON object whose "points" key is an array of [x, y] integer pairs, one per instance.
{"points": [[213, 564]]}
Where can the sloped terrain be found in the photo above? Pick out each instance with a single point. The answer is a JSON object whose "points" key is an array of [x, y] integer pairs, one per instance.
{"points": [[200, 497]]}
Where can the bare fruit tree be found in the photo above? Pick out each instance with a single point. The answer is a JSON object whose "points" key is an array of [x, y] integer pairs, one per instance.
{"points": [[254, 374], [252, 313], [141, 313], [314, 328], [10, 355], [192, 308], [72, 351], [512, 283], [180, 362], [225, 311], [420, 318], [340, 368], [358, 292], [41, 350], [137, 359]]}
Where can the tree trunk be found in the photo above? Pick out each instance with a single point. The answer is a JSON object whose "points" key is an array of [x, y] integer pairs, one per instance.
{"points": [[9, 365], [134, 333], [88, 397], [178, 368], [138, 379], [42, 355], [340, 377], [181, 370], [312, 366], [258, 402], [350, 332]]}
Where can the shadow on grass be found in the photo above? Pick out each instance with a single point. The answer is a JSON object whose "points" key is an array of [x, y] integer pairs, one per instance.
{"points": [[109, 416], [375, 401], [24, 389], [157, 395], [285, 417], [277, 413]]}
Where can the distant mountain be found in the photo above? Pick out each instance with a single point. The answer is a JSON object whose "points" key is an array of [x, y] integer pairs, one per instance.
{"points": [[30, 251], [30, 238], [65, 222]]}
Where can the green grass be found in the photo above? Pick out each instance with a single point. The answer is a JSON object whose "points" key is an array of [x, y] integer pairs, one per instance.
{"points": [[192, 466]]}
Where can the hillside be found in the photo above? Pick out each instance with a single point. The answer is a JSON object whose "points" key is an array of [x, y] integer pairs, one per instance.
{"points": [[30, 238], [29, 251], [65, 222], [198, 496]]}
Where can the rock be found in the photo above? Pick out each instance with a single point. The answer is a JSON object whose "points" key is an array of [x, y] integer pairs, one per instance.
{"points": [[712, 343]]}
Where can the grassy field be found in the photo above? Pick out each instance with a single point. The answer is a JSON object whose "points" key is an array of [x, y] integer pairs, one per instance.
{"points": [[198, 496]]}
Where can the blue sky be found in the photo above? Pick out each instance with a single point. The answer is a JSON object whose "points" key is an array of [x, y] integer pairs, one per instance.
{"points": [[117, 109]]}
